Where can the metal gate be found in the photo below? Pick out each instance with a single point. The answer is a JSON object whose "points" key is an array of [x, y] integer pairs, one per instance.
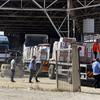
{"points": [[67, 69]]}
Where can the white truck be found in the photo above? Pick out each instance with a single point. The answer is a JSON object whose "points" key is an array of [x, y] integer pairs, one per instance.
{"points": [[36, 44], [64, 59]]}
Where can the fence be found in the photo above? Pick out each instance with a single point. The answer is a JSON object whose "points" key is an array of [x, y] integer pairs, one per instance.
{"points": [[67, 69]]}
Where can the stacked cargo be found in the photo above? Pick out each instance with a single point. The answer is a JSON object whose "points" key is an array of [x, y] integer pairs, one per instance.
{"points": [[43, 52], [31, 51], [84, 53], [55, 47], [27, 53], [35, 51], [63, 55]]}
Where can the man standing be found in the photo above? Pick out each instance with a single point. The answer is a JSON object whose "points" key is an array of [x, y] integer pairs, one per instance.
{"points": [[96, 48], [32, 68], [13, 65], [96, 72]]}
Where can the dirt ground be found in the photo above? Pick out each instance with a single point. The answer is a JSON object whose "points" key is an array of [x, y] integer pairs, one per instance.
{"points": [[46, 89], [14, 94]]}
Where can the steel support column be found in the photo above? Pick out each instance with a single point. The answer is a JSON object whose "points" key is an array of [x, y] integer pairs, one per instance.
{"points": [[68, 17], [44, 3], [74, 28], [21, 3]]}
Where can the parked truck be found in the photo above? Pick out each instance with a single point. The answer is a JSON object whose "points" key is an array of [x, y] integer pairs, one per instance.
{"points": [[4, 49], [37, 45], [64, 58]]}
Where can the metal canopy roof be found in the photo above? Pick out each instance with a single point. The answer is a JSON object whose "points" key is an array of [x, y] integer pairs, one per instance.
{"points": [[50, 17]]}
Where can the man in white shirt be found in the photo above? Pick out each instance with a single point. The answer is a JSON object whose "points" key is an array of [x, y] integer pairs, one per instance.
{"points": [[13, 65]]}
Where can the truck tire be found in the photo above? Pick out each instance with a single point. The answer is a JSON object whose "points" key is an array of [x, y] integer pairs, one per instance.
{"points": [[5, 70], [51, 72]]}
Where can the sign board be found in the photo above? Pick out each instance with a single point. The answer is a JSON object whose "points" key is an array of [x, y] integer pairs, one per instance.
{"points": [[88, 25]]}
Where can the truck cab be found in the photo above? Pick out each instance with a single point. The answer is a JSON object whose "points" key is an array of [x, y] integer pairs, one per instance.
{"points": [[4, 48]]}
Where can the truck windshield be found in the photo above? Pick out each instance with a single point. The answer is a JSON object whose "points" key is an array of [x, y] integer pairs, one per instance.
{"points": [[35, 40], [3, 48]]}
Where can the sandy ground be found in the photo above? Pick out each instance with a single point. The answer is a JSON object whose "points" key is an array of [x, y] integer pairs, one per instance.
{"points": [[46, 89], [13, 94]]}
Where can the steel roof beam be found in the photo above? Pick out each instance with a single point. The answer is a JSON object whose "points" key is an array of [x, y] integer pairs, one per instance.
{"points": [[90, 2], [4, 3], [52, 23], [85, 7], [37, 4], [62, 23], [21, 16], [32, 9], [80, 3], [43, 9], [52, 3]]}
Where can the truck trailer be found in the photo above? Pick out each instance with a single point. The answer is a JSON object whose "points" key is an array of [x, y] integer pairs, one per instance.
{"points": [[64, 58]]}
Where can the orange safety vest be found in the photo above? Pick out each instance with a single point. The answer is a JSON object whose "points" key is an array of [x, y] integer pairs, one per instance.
{"points": [[96, 47]]}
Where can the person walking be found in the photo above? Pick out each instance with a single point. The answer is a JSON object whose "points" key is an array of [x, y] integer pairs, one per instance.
{"points": [[96, 72], [13, 65], [32, 68]]}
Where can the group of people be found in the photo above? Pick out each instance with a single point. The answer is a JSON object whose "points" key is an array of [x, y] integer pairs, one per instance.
{"points": [[32, 68], [96, 64]]}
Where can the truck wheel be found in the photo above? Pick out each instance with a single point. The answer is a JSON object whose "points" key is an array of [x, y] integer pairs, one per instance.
{"points": [[51, 72]]}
